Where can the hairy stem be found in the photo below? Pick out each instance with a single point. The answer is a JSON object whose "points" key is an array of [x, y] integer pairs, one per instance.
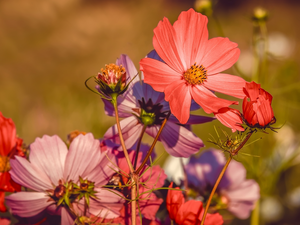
{"points": [[121, 137], [153, 144], [215, 188]]}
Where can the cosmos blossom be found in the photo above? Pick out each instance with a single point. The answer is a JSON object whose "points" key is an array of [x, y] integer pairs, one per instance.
{"points": [[191, 66], [257, 109], [150, 179], [188, 213], [142, 106], [50, 167], [236, 192], [10, 145]]}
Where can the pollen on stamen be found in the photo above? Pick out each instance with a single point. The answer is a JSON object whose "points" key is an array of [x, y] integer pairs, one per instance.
{"points": [[113, 70], [195, 75]]}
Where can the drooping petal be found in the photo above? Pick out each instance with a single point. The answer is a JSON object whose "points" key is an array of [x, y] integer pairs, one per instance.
{"points": [[28, 175], [192, 35], [108, 203], [167, 46], [28, 204], [220, 55], [179, 97], [230, 118], [130, 129], [182, 142], [158, 74], [83, 156], [49, 154], [207, 100], [226, 84]]}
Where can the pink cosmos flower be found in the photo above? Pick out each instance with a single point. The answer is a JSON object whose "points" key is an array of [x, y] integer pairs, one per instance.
{"points": [[235, 191], [142, 106], [51, 165], [191, 66], [153, 178]]}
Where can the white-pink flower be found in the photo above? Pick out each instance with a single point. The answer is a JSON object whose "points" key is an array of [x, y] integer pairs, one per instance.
{"points": [[50, 162]]}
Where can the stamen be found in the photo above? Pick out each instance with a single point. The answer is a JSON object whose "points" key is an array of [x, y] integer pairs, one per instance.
{"points": [[4, 164], [112, 70], [195, 75]]}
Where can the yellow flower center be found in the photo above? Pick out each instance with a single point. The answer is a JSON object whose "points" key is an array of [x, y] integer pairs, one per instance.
{"points": [[113, 70], [195, 75], [4, 164]]}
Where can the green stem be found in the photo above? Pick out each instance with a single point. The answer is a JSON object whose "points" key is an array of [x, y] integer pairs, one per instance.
{"points": [[139, 146], [235, 152], [255, 214], [215, 188], [153, 144], [121, 137]]}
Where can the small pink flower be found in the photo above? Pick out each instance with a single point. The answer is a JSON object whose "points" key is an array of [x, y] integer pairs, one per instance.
{"points": [[50, 165], [140, 106], [235, 191], [151, 179], [191, 66]]}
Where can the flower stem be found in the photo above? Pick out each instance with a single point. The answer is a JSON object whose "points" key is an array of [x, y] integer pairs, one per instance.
{"points": [[153, 144], [139, 146], [215, 188], [121, 137], [235, 152]]}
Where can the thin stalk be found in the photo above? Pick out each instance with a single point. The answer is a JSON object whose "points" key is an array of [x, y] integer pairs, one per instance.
{"points": [[233, 153], [153, 144], [121, 138], [139, 146], [255, 215], [133, 203], [215, 188]]}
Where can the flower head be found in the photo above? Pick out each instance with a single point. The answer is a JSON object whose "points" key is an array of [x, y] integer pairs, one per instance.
{"points": [[191, 65], [257, 109], [57, 175], [234, 192], [10, 145], [190, 212], [142, 106]]}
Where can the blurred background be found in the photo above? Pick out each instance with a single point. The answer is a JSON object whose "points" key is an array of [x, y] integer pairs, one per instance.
{"points": [[49, 48]]}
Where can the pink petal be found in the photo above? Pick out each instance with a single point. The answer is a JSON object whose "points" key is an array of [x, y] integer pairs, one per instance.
{"points": [[82, 158], [220, 55], [131, 71], [207, 100], [49, 154], [66, 218], [149, 205], [167, 46], [28, 175], [131, 129], [230, 118], [28, 204], [179, 97], [108, 203], [158, 74], [177, 140], [234, 176], [226, 84], [242, 199], [192, 35]]}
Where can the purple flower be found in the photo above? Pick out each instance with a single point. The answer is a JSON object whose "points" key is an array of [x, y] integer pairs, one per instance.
{"points": [[234, 190], [50, 167], [142, 106]]}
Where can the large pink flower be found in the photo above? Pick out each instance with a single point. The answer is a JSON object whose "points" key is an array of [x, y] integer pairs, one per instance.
{"points": [[141, 106], [191, 65], [50, 164]]}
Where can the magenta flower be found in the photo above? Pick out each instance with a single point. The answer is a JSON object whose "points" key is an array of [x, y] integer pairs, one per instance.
{"points": [[142, 106], [51, 165], [191, 66], [236, 192]]}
